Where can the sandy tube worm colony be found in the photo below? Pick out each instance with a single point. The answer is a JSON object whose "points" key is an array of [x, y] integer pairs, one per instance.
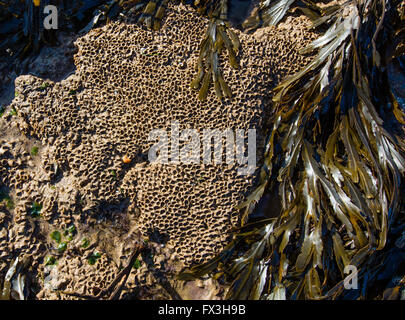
{"points": [[129, 81]]}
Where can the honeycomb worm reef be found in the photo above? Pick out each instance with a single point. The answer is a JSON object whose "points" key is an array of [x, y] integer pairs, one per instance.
{"points": [[128, 82]]}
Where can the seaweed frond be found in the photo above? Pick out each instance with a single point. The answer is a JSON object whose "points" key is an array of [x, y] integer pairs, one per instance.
{"points": [[152, 13], [270, 13], [218, 37]]}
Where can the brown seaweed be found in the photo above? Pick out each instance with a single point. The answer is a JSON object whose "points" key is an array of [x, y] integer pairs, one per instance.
{"points": [[218, 37]]}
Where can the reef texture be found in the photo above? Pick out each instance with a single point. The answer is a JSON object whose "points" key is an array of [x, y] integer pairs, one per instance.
{"points": [[129, 81]]}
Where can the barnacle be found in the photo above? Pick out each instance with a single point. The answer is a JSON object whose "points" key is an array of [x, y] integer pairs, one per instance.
{"points": [[336, 157]]}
